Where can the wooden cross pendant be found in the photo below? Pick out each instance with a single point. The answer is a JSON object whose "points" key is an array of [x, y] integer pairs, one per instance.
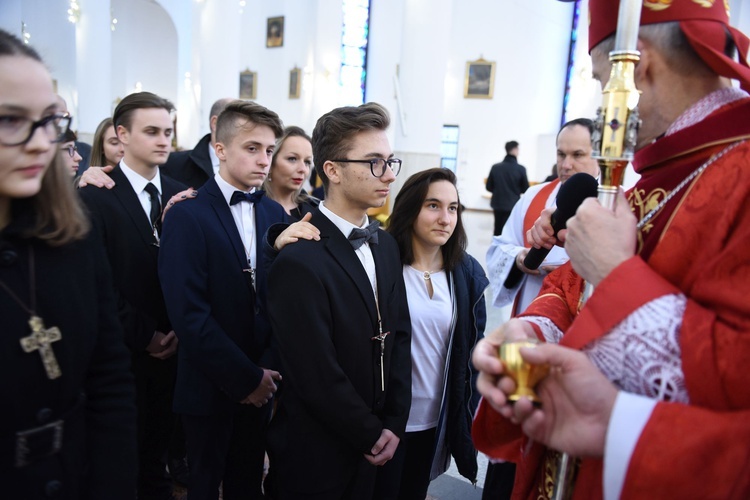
{"points": [[40, 340], [381, 337]]}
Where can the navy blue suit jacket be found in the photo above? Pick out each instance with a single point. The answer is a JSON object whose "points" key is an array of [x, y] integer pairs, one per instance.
{"points": [[218, 317]]}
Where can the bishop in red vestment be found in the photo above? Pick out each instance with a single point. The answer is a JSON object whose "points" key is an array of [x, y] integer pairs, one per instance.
{"points": [[672, 321]]}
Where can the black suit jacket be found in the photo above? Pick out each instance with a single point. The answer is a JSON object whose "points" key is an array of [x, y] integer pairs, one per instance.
{"points": [[507, 181], [193, 167], [132, 251], [215, 311], [324, 315]]}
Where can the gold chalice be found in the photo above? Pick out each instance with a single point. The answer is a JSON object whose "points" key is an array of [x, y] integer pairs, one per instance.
{"points": [[525, 375]]}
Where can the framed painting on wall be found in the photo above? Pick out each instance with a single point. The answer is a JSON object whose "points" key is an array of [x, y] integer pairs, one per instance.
{"points": [[479, 82], [248, 84], [275, 32], [295, 82]]}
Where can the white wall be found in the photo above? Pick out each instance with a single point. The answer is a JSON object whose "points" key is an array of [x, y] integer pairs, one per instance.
{"points": [[158, 43], [529, 42]]}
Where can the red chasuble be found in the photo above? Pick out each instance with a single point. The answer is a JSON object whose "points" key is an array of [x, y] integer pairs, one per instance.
{"points": [[697, 245]]}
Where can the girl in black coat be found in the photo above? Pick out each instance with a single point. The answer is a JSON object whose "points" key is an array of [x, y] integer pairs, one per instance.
{"points": [[67, 429], [445, 290]]}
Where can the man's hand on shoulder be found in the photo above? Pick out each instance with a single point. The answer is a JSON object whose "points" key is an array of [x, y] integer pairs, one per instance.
{"points": [[293, 233], [97, 176], [181, 196]]}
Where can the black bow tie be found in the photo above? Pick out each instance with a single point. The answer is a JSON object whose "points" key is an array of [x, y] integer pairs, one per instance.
{"points": [[369, 234], [239, 196]]}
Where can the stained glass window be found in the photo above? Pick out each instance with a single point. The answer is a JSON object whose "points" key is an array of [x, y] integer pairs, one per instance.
{"points": [[354, 39], [571, 60]]}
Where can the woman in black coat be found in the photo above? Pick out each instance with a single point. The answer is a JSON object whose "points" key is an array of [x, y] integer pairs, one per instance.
{"points": [[445, 291], [67, 429]]}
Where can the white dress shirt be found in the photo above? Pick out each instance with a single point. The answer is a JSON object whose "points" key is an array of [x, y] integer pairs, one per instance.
{"points": [[243, 214], [139, 186], [364, 253]]}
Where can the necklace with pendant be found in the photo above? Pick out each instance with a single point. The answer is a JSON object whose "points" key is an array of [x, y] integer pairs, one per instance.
{"points": [[41, 338], [427, 276]]}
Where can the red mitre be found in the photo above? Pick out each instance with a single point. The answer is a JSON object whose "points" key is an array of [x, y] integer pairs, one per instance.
{"points": [[704, 22]]}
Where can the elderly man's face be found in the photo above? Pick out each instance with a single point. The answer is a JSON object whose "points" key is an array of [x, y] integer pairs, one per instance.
{"points": [[653, 124]]}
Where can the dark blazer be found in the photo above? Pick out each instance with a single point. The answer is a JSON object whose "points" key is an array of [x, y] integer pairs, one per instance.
{"points": [[217, 315], [94, 395], [192, 167], [324, 314], [507, 180], [132, 251], [469, 281]]}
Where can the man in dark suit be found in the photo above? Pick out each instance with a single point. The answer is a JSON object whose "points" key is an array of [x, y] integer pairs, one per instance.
{"points": [[128, 219], [507, 181], [338, 310], [214, 287], [194, 167]]}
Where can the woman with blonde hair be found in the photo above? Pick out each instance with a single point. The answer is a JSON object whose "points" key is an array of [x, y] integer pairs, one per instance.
{"points": [[290, 168], [107, 149]]}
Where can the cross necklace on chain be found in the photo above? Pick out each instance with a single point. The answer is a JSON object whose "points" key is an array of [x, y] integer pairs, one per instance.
{"points": [[41, 338]]}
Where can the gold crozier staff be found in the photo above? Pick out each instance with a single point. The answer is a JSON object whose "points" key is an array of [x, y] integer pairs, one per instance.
{"points": [[614, 139]]}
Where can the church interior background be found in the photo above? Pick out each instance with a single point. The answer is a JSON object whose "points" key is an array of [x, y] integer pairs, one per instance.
{"points": [[412, 56]]}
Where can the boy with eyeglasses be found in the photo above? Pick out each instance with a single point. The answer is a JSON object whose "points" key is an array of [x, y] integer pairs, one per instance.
{"points": [[338, 311], [69, 152]]}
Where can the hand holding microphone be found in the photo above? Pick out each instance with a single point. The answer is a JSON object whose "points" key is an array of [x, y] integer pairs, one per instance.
{"points": [[572, 193]]}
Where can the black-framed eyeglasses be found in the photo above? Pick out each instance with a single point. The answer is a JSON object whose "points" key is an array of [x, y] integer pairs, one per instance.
{"points": [[17, 130], [378, 165], [72, 150]]}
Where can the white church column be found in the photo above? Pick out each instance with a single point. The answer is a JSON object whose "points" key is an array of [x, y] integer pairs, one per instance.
{"points": [[93, 93], [215, 65], [420, 84]]}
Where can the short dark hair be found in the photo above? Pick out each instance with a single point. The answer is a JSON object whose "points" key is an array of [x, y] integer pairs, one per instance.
{"points": [[406, 209], [580, 122], [10, 45], [334, 131], [69, 136], [123, 114], [239, 112], [510, 146]]}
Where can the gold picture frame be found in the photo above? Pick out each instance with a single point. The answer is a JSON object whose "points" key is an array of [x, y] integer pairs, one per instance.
{"points": [[248, 84], [479, 82], [275, 32], [295, 83]]}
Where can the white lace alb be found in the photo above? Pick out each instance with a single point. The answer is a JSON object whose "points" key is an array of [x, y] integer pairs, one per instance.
{"points": [[641, 354]]}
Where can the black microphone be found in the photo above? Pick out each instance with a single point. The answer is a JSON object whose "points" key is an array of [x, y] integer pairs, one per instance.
{"points": [[570, 196]]}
